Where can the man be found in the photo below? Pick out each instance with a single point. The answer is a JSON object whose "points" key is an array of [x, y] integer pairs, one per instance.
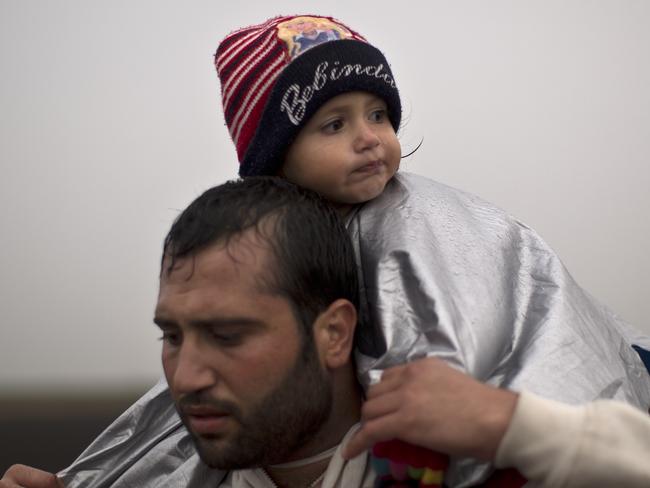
{"points": [[258, 319], [256, 357]]}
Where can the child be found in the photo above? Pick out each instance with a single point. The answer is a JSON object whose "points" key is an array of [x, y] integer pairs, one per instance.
{"points": [[443, 273]]}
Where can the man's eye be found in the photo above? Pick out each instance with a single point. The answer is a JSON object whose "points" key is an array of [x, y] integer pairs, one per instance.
{"points": [[171, 338], [227, 339]]}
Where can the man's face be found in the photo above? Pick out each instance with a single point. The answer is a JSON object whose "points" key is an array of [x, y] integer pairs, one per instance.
{"points": [[247, 386]]}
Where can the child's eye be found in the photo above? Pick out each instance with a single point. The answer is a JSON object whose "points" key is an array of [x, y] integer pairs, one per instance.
{"points": [[332, 126], [378, 115]]}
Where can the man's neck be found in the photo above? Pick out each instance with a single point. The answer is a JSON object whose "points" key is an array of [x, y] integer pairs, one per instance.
{"points": [[304, 476], [346, 412], [297, 470]]}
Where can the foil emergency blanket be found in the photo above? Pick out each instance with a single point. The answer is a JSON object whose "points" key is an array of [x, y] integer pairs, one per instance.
{"points": [[443, 274]]}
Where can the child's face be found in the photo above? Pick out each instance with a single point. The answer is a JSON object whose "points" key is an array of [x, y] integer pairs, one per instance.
{"points": [[347, 151]]}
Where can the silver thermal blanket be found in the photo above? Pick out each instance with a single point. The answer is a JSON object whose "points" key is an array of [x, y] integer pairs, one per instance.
{"points": [[443, 274]]}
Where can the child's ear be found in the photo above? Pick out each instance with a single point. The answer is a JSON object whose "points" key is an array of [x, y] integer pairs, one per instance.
{"points": [[334, 333]]}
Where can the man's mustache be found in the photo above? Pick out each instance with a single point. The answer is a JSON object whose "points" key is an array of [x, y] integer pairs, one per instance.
{"points": [[202, 400]]}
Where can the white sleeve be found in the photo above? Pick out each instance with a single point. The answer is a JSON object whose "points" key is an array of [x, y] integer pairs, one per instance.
{"points": [[604, 443]]}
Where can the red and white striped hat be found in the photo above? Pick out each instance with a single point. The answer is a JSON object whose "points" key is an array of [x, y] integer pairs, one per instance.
{"points": [[275, 75]]}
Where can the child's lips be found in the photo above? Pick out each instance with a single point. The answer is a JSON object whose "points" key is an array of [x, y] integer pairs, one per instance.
{"points": [[371, 167]]}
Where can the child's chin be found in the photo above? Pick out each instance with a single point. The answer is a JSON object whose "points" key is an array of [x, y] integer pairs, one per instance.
{"points": [[369, 193]]}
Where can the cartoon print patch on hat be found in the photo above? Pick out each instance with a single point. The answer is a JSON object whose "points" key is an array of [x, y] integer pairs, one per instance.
{"points": [[303, 33]]}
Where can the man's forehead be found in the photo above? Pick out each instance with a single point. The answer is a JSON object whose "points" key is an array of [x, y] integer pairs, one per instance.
{"points": [[244, 255], [226, 279]]}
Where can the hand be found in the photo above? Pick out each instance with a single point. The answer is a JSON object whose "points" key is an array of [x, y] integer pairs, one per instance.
{"points": [[27, 477], [432, 405]]}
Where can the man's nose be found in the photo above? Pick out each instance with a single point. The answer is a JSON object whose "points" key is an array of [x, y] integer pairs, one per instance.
{"points": [[366, 136], [192, 372]]}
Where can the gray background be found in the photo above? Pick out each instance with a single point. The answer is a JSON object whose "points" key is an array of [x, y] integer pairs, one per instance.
{"points": [[111, 123]]}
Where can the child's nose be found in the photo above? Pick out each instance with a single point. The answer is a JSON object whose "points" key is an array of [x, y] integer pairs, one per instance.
{"points": [[366, 138]]}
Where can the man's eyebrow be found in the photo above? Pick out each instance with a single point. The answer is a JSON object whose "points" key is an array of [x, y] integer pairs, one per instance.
{"points": [[228, 322], [163, 323], [213, 322]]}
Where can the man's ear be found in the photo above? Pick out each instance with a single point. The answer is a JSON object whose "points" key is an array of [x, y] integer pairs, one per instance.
{"points": [[334, 333]]}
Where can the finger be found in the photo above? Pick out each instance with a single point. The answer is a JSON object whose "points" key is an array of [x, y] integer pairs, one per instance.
{"points": [[355, 446], [381, 406], [390, 373], [23, 475], [388, 383], [397, 376], [369, 434]]}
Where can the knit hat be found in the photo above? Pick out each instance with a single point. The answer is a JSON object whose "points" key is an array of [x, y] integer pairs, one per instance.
{"points": [[276, 75]]}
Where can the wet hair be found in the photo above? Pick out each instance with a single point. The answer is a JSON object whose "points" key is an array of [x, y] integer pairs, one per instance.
{"points": [[312, 261]]}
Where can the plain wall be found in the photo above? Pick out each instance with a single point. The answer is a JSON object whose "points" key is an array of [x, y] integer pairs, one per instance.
{"points": [[111, 123]]}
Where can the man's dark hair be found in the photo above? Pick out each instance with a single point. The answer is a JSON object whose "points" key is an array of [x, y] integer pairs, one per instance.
{"points": [[314, 261]]}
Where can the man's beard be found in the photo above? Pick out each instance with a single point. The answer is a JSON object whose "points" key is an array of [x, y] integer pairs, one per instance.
{"points": [[280, 423]]}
